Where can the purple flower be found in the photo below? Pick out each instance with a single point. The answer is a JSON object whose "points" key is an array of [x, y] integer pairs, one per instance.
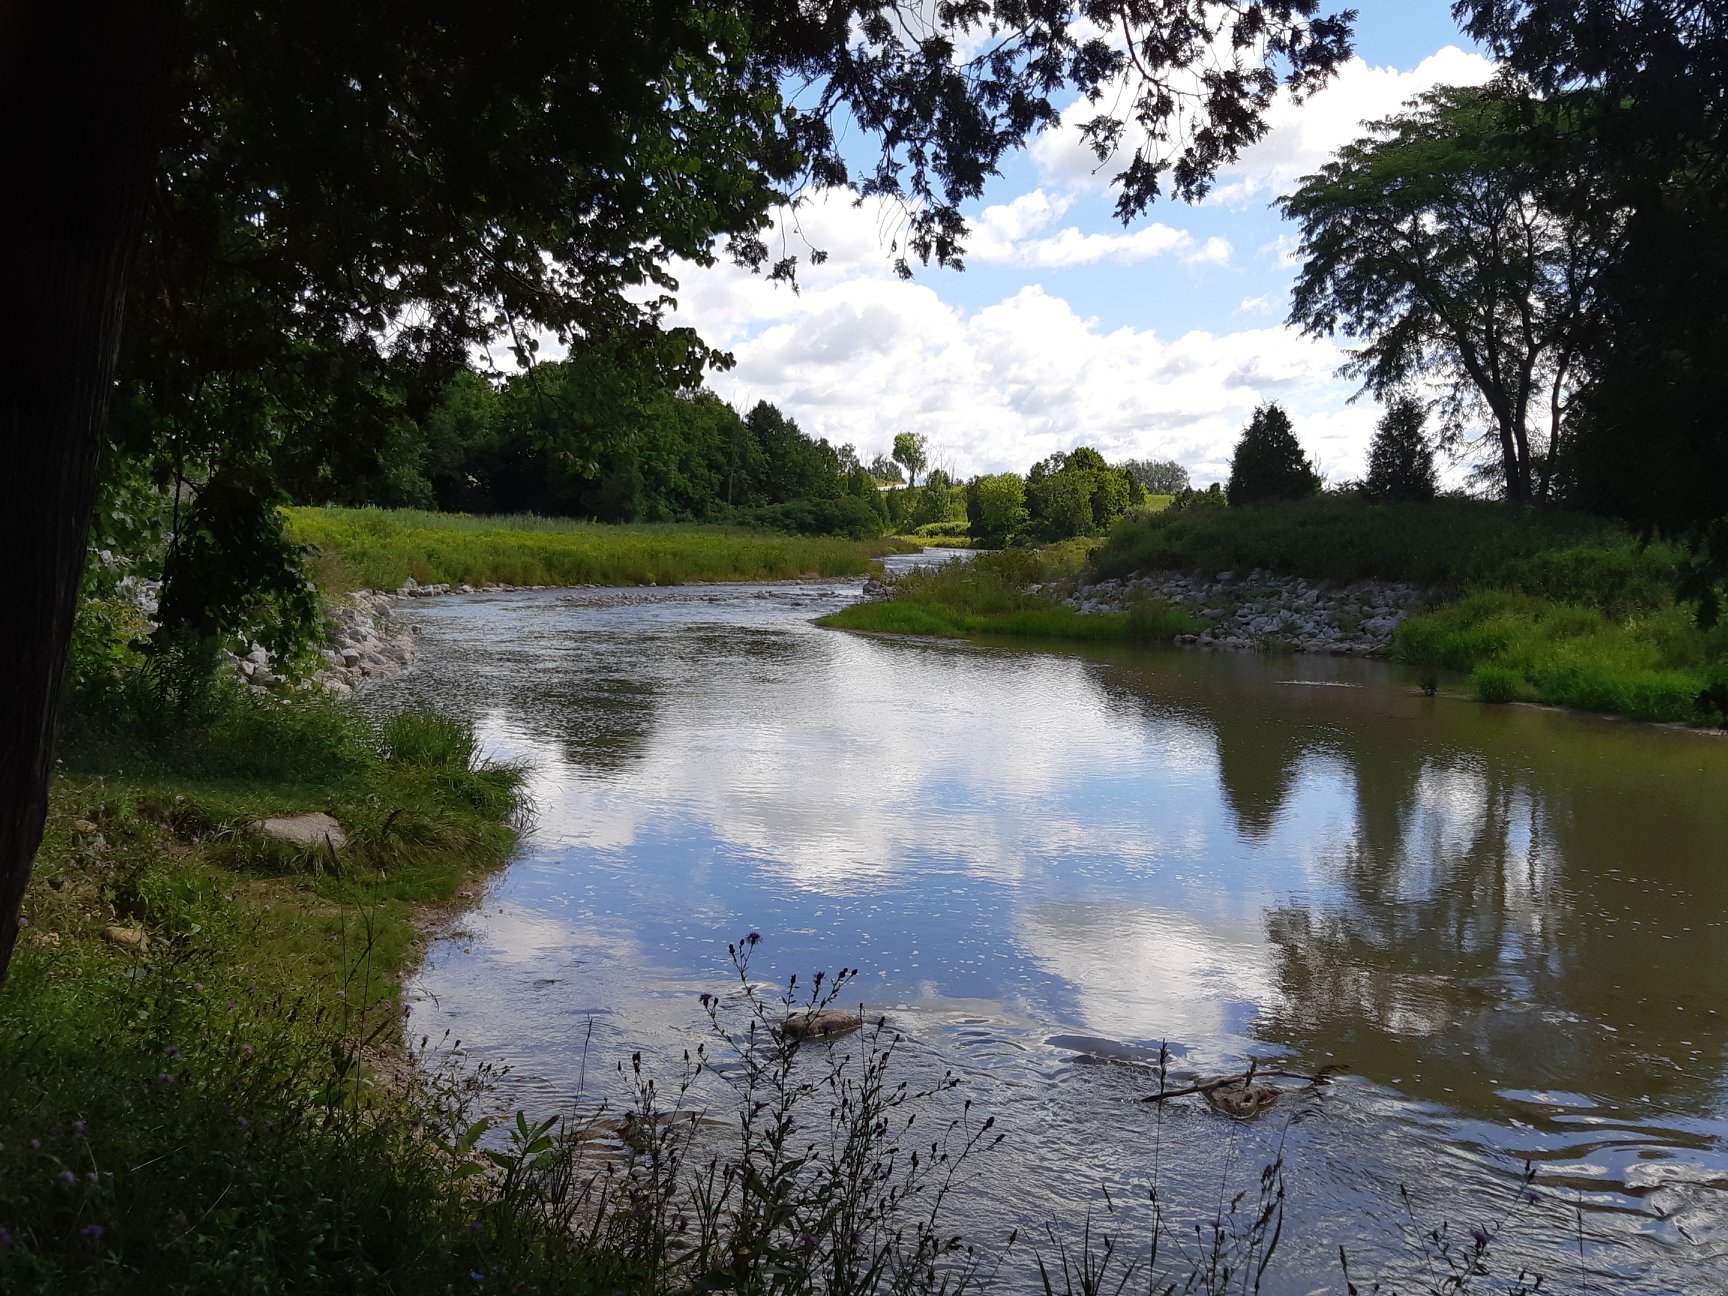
{"points": [[23, 921], [806, 1241], [197, 987], [244, 1123], [706, 998], [92, 1178], [754, 938], [66, 1178], [35, 1145], [173, 1051], [1531, 1196], [476, 1275], [474, 1226], [5, 1238], [246, 1049], [91, 1232], [1479, 1236], [165, 1078], [78, 1128]]}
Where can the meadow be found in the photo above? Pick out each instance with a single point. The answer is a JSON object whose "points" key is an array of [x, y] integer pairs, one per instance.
{"points": [[368, 548]]}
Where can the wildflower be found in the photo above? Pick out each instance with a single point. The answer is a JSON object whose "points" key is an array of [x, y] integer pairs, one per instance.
{"points": [[23, 921], [1479, 1236], [173, 1051], [78, 1128], [35, 1145], [180, 1223], [476, 1275], [707, 999], [244, 1123], [92, 1233], [246, 1049], [753, 939], [5, 1238], [92, 1178], [197, 987], [165, 1079], [1531, 1196], [474, 1226], [806, 1241], [66, 1178]]}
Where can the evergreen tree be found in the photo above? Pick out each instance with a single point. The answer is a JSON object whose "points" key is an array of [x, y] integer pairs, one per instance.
{"points": [[1400, 459], [1269, 464]]}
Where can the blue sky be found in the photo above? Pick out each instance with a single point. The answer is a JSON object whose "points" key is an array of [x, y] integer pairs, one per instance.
{"points": [[1153, 341]]}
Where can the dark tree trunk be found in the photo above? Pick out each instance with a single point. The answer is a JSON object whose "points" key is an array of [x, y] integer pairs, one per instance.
{"points": [[81, 91]]}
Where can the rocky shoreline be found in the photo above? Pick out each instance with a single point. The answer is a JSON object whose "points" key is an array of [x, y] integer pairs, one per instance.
{"points": [[1264, 611]]}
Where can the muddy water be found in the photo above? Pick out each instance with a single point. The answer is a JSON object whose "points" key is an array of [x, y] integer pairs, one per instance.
{"points": [[1510, 924]]}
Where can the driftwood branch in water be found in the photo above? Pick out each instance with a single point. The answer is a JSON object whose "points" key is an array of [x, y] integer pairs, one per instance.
{"points": [[1244, 1079]]}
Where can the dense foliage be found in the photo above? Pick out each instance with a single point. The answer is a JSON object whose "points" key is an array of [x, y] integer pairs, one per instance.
{"points": [[1457, 243], [1268, 463], [1400, 458]]}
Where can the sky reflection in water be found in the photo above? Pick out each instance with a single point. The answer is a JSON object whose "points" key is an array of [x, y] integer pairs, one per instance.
{"points": [[1509, 923]]}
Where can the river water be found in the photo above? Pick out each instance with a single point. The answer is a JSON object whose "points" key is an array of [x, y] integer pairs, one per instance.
{"points": [[1510, 924]]}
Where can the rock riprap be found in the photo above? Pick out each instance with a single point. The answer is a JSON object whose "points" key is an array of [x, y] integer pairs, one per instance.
{"points": [[1263, 610]]}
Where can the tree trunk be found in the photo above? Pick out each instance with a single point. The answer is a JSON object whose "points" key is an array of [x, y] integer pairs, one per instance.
{"points": [[81, 91]]}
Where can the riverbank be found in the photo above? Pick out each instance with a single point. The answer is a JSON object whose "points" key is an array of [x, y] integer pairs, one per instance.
{"points": [[1549, 608], [383, 549], [197, 999]]}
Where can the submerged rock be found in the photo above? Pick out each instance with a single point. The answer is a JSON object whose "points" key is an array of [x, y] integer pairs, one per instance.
{"points": [[825, 1023], [1237, 1098]]}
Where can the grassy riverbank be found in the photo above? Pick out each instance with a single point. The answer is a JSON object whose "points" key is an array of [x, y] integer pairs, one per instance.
{"points": [[190, 1022], [1541, 607], [1002, 594], [381, 548]]}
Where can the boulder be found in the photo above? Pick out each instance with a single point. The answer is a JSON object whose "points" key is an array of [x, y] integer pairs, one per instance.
{"points": [[303, 830]]}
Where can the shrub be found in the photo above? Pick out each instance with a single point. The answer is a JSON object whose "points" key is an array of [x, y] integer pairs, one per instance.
{"points": [[1496, 684]]}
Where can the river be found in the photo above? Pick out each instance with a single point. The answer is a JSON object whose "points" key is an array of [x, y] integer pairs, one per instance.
{"points": [[1510, 924]]}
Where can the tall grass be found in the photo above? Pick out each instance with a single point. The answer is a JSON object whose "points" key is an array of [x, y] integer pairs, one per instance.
{"points": [[1651, 664], [381, 548]]}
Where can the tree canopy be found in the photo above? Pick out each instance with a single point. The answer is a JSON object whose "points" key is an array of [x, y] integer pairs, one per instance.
{"points": [[1446, 241]]}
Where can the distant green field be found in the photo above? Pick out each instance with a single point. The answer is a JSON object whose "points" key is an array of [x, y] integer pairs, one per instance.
{"points": [[381, 548]]}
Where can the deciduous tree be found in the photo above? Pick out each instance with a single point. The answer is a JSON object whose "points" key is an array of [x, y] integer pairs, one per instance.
{"points": [[1448, 241], [911, 452]]}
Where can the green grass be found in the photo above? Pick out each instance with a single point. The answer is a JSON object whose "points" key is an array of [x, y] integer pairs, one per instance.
{"points": [[1451, 545], [381, 548], [201, 1115], [993, 595], [1648, 665]]}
